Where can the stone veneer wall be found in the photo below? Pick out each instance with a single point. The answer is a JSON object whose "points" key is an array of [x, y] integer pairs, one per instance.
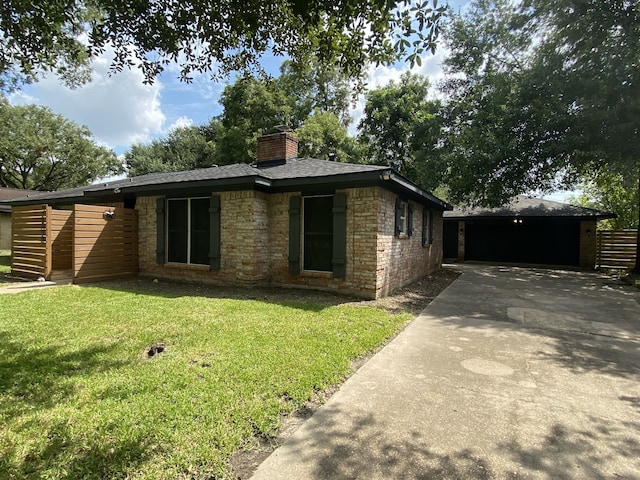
{"points": [[401, 260], [255, 245]]}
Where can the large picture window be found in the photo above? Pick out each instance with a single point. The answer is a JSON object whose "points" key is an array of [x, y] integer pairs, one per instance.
{"points": [[188, 230], [318, 233]]}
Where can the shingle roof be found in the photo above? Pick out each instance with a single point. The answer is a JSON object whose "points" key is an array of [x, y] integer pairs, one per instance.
{"points": [[312, 167], [295, 173], [523, 206], [10, 194], [236, 170]]}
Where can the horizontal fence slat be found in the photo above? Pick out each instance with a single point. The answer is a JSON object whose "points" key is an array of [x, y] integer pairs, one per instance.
{"points": [[104, 248], [616, 249], [28, 240]]}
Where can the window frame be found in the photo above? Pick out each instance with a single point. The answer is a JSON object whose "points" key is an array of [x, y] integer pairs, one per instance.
{"points": [[189, 230], [303, 236], [401, 226]]}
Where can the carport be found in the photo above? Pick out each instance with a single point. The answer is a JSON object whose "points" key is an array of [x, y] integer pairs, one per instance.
{"points": [[526, 231]]}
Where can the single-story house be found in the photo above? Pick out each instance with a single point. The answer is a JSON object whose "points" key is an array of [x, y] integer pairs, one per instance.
{"points": [[7, 194], [525, 231], [285, 221]]}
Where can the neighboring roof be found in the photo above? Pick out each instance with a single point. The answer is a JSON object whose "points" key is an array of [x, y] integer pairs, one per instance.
{"points": [[10, 194], [523, 206], [295, 174]]}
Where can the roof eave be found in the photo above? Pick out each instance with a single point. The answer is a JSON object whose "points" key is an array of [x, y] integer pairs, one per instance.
{"points": [[388, 179], [171, 188], [602, 216], [394, 177]]}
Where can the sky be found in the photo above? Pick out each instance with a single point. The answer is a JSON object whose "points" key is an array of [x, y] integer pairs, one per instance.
{"points": [[120, 110]]}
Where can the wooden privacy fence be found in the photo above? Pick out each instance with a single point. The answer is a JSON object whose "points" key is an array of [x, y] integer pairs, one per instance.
{"points": [[105, 243], [30, 230], [88, 243], [616, 249]]}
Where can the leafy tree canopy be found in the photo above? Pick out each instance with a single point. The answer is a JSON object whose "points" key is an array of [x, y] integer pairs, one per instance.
{"points": [[542, 93], [184, 148], [402, 128], [209, 37], [315, 88], [40, 150], [611, 192], [252, 106], [323, 135]]}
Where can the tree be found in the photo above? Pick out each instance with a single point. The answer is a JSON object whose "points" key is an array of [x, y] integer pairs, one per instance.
{"points": [[502, 118], [323, 134], [204, 37], [542, 94], [611, 192], [252, 107], [41, 150], [184, 148], [401, 128], [315, 88]]}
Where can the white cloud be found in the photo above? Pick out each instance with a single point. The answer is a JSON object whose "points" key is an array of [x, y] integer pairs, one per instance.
{"points": [[118, 109], [180, 122]]}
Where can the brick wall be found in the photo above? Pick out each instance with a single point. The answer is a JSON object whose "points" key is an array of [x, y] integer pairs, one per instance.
{"points": [[588, 245], [361, 246], [401, 260], [255, 245], [243, 242], [278, 146]]}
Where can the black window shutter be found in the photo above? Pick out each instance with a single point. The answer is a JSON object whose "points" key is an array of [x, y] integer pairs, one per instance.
{"points": [[160, 231], [425, 223], [410, 220], [214, 232], [430, 227], [398, 217], [294, 235], [339, 235]]}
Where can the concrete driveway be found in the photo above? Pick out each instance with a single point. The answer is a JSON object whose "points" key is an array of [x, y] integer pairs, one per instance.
{"points": [[509, 373]]}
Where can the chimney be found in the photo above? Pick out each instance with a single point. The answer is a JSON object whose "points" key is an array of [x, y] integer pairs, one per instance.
{"points": [[276, 149]]}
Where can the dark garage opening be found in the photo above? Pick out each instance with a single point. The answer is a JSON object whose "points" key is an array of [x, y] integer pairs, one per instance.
{"points": [[529, 240], [450, 240]]}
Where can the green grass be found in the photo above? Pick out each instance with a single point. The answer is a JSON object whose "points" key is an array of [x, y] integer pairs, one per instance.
{"points": [[79, 398]]}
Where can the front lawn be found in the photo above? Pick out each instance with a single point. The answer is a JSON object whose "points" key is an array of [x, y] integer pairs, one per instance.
{"points": [[80, 397]]}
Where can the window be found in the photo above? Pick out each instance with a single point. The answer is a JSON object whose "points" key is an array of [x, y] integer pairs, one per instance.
{"points": [[318, 233], [404, 218], [188, 230], [427, 227]]}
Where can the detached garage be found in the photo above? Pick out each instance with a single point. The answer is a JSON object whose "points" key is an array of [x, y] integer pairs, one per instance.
{"points": [[526, 231]]}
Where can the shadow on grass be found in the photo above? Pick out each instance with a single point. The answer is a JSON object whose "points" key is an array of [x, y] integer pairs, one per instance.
{"points": [[37, 378], [63, 457], [307, 300], [412, 298], [41, 377]]}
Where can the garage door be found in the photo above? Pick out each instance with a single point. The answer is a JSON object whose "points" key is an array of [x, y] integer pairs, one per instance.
{"points": [[538, 241]]}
